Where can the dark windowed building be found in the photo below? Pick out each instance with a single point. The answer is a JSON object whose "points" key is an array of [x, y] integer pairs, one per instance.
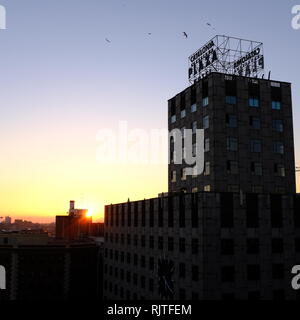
{"points": [[249, 141], [231, 232]]}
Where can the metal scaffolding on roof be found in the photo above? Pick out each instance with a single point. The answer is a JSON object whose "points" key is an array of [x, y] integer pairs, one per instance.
{"points": [[229, 55]]}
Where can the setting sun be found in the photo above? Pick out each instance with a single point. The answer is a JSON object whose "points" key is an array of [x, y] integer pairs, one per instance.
{"points": [[89, 213]]}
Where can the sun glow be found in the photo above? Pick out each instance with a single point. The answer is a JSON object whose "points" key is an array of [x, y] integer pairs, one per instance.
{"points": [[89, 213]]}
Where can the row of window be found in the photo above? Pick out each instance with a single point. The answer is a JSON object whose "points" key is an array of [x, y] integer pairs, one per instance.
{"points": [[232, 144], [256, 169], [120, 291], [182, 246], [256, 145], [227, 247], [120, 273], [236, 189], [228, 273], [253, 102], [145, 217], [129, 295]]}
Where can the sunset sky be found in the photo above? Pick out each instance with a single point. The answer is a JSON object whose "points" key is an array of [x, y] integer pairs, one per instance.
{"points": [[70, 68]]}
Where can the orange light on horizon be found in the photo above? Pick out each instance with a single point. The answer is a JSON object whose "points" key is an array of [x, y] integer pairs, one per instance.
{"points": [[89, 213]]}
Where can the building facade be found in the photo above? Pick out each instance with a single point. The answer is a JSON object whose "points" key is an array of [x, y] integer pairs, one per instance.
{"points": [[202, 246], [51, 271], [248, 128]]}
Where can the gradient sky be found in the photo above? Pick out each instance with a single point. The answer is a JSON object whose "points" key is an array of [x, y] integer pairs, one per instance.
{"points": [[61, 82]]}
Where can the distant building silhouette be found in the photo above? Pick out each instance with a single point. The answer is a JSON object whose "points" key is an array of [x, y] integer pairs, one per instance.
{"points": [[42, 268], [77, 225]]}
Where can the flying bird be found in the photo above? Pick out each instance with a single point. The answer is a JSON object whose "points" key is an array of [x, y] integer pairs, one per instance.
{"points": [[107, 40], [185, 34], [210, 25]]}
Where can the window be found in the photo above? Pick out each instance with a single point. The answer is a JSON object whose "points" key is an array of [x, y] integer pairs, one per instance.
{"points": [[277, 271], [160, 243], [276, 211], [206, 145], [233, 188], [232, 144], [170, 212], [252, 210], [227, 247], [181, 270], [253, 246], [276, 105], [230, 90], [151, 242], [297, 245], [195, 273], [182, 114], [206, 122], [207, 188], [253, 273], [254, 103], [195, 246], [227, 210], [230, 99], [194, 127], [255, 123], [231, 121], [257, 189], [232, 167], [227, 274], [173, 118], [183, 132], [151, 284], [135, 259], [256, 169], [143, 241], [194, 107], [194, 149], [277, 245], [255, 146], [275, 84], [207, 169], [182, 244], [278, 125], [194, 190], [170, 244], [278, 147], [182, 295], [195, 296], [205, 102], [183, 174], [173, 176], [151, 263], [279, 170]]}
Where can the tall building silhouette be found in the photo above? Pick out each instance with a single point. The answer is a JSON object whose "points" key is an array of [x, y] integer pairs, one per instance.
{"points": [[248, 128]]}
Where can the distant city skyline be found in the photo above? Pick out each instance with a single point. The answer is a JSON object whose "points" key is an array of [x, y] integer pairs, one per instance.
{"points": [[71, 68]]}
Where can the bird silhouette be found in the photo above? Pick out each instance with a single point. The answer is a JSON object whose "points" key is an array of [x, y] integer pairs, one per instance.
{"points": [[107, 40], [185, 34], [210, 25]]}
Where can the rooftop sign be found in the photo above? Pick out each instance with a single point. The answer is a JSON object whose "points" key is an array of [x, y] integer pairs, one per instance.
{"points": [[227, 55]]}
